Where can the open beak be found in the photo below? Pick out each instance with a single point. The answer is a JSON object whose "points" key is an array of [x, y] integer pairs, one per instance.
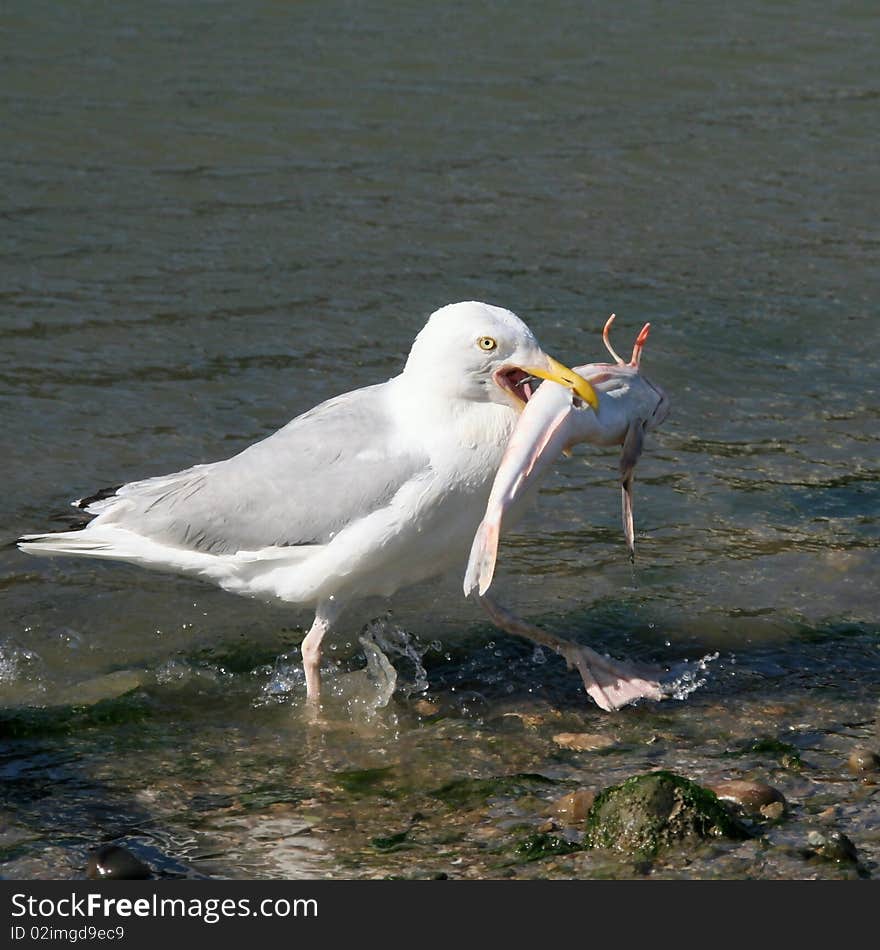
{"points": [[515, 380]]}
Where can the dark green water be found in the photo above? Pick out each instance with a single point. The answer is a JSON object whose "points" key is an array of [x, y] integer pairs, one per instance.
{"points": [[215, 215]]}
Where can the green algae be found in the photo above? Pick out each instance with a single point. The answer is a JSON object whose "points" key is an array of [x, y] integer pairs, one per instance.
{"points": [[787, 755], [365, 781], [390, 842], [473, 792], [29, 722], [543, 845]]}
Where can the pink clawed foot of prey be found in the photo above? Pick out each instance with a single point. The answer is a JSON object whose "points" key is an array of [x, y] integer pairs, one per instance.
{"points": [[641, 339], [610, 683]]}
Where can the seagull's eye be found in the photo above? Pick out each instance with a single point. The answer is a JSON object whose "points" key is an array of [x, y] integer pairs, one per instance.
{"points": [[487, 343]]}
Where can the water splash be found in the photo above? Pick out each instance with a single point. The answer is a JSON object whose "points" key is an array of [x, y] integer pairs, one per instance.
{"points": [[286, 676], [688, 677], [394, 663], [393, 640], [380, 674], [16, 663], [21, 676]]}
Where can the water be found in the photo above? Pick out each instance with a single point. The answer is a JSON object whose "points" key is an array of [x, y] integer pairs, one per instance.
{"points": [[216, 215]]}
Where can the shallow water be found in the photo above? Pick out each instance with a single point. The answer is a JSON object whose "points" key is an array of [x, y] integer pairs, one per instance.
{"points": [[215, 216]]}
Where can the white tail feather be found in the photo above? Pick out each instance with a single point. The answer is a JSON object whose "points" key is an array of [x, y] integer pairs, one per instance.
{"points": [[65, 543]]}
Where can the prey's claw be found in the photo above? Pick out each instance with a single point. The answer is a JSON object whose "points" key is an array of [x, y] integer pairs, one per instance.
{"points": [[612, 684]]}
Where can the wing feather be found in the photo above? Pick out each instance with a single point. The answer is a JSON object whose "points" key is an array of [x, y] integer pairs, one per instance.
{"points": [[334, 464]]}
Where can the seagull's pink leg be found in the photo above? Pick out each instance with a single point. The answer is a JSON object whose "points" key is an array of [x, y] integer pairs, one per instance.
{"points": [[610, 683], [311, 649]]}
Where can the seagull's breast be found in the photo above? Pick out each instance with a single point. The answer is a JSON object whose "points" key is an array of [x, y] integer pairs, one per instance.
{"points": [[428, 526]]}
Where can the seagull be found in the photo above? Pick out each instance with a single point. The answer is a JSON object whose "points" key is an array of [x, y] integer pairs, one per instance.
{"points": [[368, 492]]}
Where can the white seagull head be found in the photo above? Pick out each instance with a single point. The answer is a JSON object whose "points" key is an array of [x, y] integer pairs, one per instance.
{"points": [[478, 352]]}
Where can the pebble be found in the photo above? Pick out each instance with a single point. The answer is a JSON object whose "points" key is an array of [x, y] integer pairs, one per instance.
{"points": [[774, 811], [484, 832], [833, 846], [862, 761], [575, 806], [582, 741], [531, 720], [424, 707], [111, 862], [751, 796], [774, 709]]}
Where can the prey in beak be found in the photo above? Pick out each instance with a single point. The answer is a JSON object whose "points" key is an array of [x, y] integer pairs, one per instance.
{"points": [[553, 420], [520, 381]]}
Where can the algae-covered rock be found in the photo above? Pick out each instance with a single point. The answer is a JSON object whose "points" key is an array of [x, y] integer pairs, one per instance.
{"points": [[648, 812], [784, 752]]}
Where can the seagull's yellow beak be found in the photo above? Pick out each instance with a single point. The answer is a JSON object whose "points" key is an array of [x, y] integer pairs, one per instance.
{"points": [[558, 373]]}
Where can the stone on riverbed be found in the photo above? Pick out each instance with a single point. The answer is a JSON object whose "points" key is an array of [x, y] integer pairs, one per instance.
{"points": [[583, 741], [649, 812], [863, 761], [112, 862], [752, 798], [99, 689], [574, 807], [832, 846]]}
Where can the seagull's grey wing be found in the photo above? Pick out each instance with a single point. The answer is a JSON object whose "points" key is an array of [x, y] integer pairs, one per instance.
{"points": [[301, 485]]}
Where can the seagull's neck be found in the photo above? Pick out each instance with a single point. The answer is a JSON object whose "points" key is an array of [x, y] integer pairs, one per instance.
{"points": [[440, 418]]}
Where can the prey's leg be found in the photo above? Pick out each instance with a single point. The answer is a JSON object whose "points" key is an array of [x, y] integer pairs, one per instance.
{"points": [[610, 683], [633, 444]]}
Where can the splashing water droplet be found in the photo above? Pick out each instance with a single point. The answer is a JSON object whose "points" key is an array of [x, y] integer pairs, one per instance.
{"points": [[688, 679], [394, 641], [287, 676]]}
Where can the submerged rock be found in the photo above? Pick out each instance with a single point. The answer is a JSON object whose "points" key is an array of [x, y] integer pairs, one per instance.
{"points": [[111, 862], [473, 792], [863, 761], [832, 846], [785, 753], [649, 812], [364, 781], [392, 842], [100, 688], [573, 807], [775, 811], [583, 741]]}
